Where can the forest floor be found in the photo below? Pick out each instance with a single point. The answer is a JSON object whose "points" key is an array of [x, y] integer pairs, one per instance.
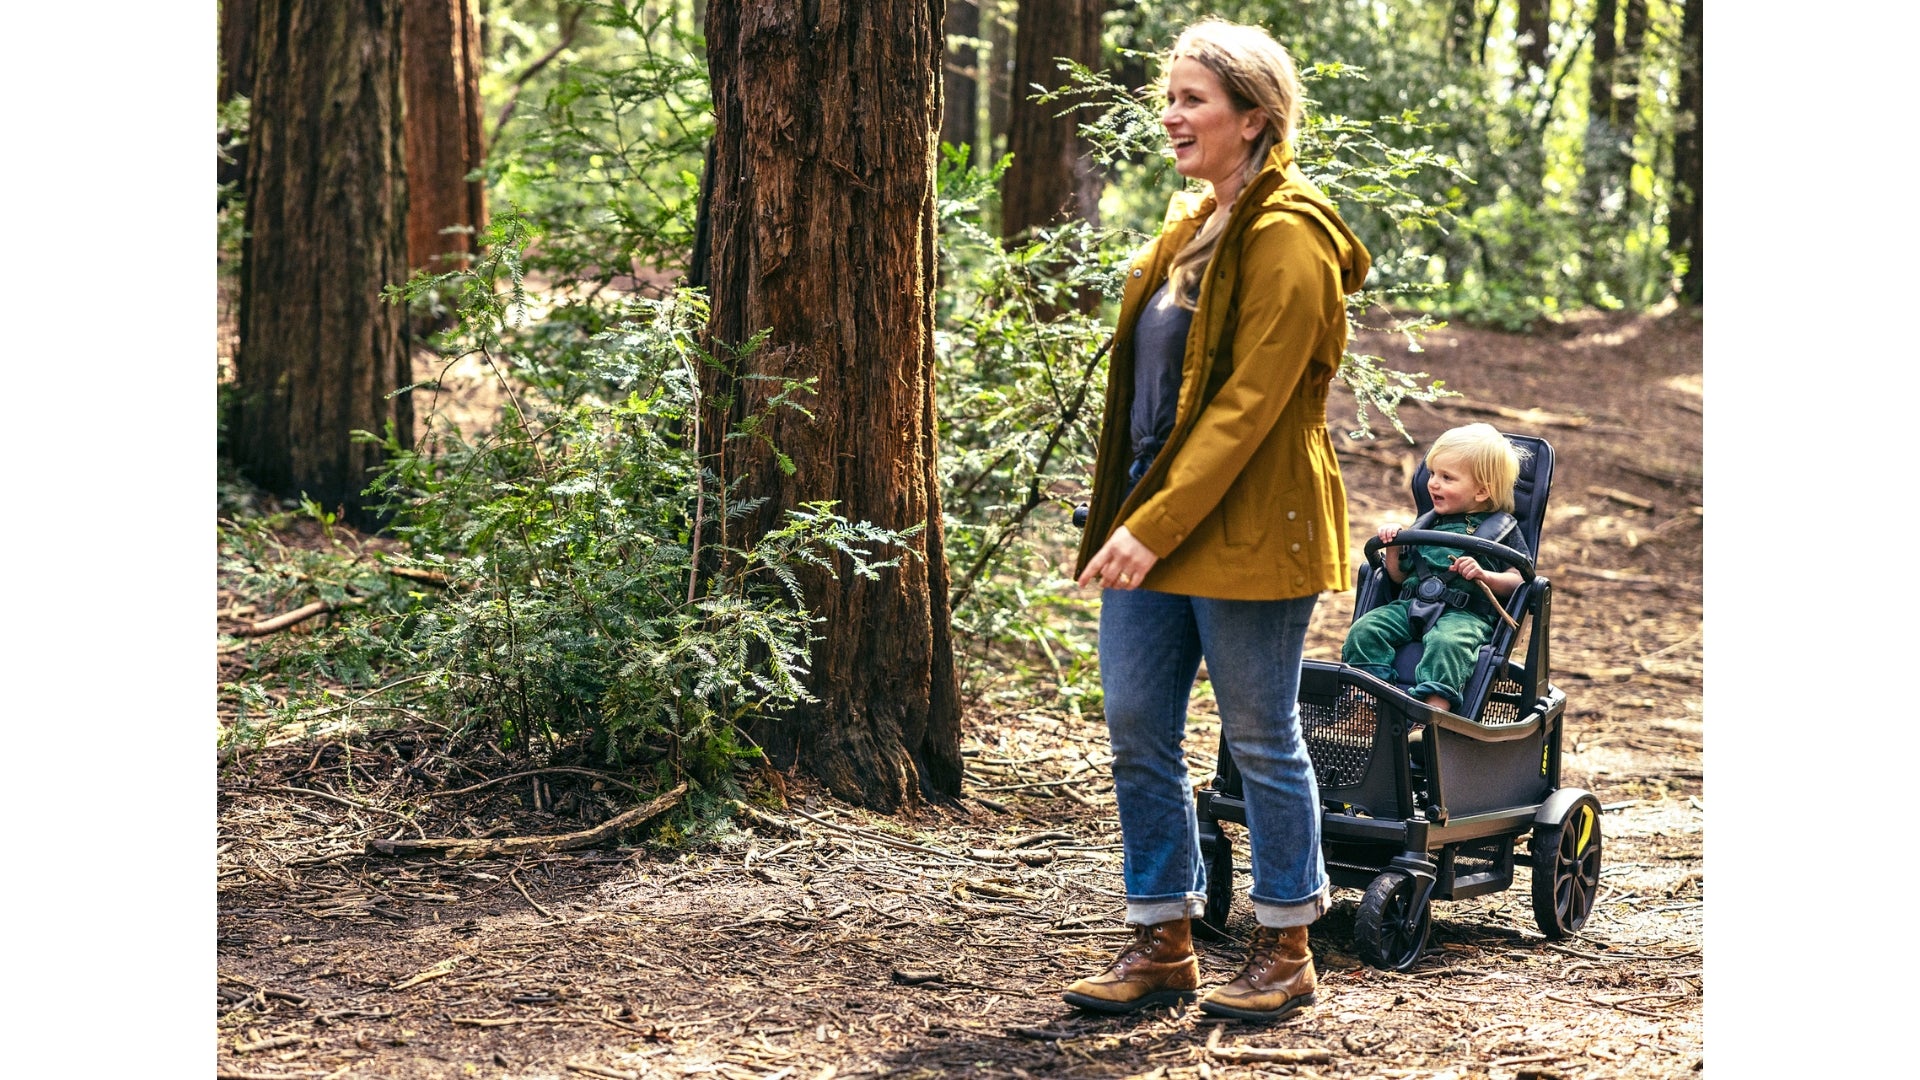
{"points": [[822, 941]]}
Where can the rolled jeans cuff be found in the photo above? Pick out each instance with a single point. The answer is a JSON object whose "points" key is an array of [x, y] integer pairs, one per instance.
{"points": [[1154, 912], [1297, 913]]}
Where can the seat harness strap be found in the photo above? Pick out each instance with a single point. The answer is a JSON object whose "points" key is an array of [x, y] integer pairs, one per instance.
{"points": [[1433, 592]]}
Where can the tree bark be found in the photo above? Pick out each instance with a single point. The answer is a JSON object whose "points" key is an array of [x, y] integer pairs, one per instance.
{"points": [[1532, 24], [320, 352], [996, 14], [822, 220], [239, 23], [1051, 176], [441, 41], [959, 123], [1461, 28], [1684, 220]]}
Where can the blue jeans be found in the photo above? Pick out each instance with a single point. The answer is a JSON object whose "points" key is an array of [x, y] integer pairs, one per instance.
{"points": [[1151, 645]]}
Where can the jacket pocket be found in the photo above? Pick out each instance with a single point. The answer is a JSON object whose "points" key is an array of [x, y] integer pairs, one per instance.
{"points": [[1259, 496]]}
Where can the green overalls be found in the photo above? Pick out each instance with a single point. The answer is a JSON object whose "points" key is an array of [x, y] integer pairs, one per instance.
{"points": [[1452, 642]]}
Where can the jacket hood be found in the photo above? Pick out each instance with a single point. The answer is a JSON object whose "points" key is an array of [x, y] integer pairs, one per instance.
{"points": [[1280, 185]]}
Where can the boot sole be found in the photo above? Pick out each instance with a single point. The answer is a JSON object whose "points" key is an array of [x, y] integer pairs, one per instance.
{"points": [[1292, 1005], [1116, 1008]]}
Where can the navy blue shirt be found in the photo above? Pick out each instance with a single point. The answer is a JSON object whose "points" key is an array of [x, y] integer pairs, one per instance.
{"points": [[1159, 347]]}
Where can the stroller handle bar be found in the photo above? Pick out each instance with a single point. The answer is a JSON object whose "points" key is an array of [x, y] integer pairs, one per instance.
{"points": [[1472, 545]]}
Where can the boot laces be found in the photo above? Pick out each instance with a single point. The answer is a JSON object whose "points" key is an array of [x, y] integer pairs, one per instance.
{"points": [[1141, 945]]}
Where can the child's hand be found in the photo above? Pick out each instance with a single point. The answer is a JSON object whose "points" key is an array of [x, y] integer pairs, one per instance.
{"points": [[1388, 531], [1467, 568]]}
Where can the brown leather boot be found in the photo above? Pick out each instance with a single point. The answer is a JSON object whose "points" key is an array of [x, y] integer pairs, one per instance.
{"points": [[1157, 968], [1277, 981]]}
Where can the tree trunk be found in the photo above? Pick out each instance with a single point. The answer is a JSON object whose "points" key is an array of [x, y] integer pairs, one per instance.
{"points": [[1461, 28], [444, 142], [239, 23], [822, 222], [1532, 23], [996, 15], [320, 352], [1684, 220], [959, 123], [1051, 176]]}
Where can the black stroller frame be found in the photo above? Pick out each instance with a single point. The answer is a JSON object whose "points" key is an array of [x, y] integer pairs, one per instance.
{"points": [[1421, 804]]}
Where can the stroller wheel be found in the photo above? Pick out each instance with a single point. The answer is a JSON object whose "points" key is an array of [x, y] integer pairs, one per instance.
{"points": [[1566, 870], [1391, 929], [1218, 852]]}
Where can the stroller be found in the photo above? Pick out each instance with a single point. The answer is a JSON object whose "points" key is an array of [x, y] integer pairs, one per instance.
{"points": [[1419, 804]]}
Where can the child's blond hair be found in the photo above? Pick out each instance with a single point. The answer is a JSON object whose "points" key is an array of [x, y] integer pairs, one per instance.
{"points": [[1486, 455]]}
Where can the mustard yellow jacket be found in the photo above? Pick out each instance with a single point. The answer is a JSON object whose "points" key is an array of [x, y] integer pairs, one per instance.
{"points": [[1245, 501]]}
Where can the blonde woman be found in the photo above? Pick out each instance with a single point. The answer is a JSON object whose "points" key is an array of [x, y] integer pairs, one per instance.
{"points": [[1217, 518]]}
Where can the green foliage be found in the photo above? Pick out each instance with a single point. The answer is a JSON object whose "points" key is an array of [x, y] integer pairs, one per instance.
{"points": [[606, 168], [569, 536]]}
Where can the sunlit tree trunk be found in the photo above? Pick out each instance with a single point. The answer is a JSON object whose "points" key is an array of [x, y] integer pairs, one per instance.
{"points": [[1051, 177], [444, 142], [822, 220], [320, 352]]}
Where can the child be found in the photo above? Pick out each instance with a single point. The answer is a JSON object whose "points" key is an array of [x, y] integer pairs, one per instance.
{"points": [[1472, 472]]}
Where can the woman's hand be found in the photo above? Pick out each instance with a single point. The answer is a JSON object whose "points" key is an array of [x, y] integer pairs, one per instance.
{"points": [[1121, 563]]}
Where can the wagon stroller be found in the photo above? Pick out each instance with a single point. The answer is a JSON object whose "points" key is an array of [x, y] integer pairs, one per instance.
{"points": [[1419, 804]]}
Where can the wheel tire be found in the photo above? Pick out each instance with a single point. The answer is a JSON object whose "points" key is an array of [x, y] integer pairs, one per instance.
{"points": [[1566, 870], [1387, 931], [1218, 851]]}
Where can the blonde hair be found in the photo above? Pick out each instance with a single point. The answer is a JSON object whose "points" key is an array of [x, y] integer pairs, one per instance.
{"points": [[1486, 455], [1257, 73]]}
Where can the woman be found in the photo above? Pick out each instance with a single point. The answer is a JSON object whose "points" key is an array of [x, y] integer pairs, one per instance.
{"points": [[1218, 516]]}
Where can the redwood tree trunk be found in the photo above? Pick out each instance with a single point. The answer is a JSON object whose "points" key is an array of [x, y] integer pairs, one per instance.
{"points": [[961, 77], [1050, 177], [1683, 225], [1532, 21], [822, 221], [444, 141], [239, 22], [320, 352]]}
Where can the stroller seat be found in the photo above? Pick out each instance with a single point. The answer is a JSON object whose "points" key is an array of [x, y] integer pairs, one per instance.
{"points": [[1423, 804]]}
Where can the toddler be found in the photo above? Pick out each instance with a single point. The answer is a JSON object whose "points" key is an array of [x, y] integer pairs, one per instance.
{"points": [[1472, 470]]}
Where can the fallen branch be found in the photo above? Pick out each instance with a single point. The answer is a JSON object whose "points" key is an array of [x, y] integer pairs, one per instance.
{"points": [[1621, 497], [515, 845], [1537, 417], [1306, 1055], [296, 616], [535, 772], [602, 1070]]}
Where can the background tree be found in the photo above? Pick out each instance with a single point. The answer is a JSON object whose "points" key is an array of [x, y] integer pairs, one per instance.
{"points": [[1051, 175], [441, 43], [1689, 126], [822, 218], [321, 353], [960, 78], [239, 21], [1613, 105]]}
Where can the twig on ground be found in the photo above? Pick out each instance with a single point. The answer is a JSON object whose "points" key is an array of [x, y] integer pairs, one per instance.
{"points": [[509, 845], [514, 876], [470, 788], [296, 616]]}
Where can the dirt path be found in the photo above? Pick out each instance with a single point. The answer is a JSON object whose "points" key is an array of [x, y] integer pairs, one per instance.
{"points": [[827, 942]]}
